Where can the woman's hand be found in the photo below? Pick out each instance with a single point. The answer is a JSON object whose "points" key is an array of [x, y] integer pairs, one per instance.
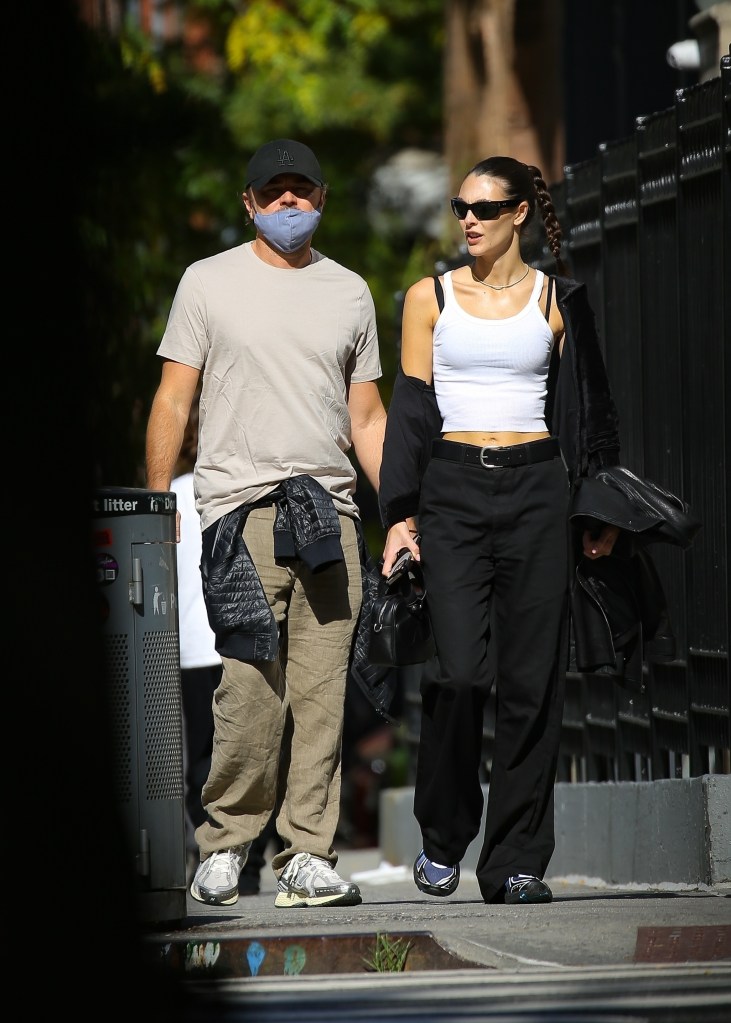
{"points": [[600, 546], [400, 535]]}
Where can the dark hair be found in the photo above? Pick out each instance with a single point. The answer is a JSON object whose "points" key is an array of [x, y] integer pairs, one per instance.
{"points": [[522, 181]]}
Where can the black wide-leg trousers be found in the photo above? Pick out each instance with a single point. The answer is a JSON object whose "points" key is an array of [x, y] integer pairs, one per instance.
{"points": [[495, 561]]}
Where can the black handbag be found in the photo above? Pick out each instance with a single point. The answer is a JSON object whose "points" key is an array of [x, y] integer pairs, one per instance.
{"points": [[400, 632]]}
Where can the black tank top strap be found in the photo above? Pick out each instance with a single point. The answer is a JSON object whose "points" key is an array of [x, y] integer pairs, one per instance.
{"points": [[439, 292], [549, 296]]}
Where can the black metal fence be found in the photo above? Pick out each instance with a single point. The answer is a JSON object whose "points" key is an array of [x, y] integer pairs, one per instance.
{"points": [[647, 226]]}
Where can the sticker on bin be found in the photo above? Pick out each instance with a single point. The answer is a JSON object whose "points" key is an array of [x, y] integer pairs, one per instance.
{"points": [[107, 569]]}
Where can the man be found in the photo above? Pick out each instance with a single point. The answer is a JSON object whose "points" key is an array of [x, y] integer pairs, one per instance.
{"points": [[286, 342]]}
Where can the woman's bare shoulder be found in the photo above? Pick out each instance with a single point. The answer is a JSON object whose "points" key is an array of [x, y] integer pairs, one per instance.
{"points": [[422, 295], [422, 288]]}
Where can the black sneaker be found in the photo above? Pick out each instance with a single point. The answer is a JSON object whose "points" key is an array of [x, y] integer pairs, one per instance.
{"points": [[434, 878], [524, 888]]}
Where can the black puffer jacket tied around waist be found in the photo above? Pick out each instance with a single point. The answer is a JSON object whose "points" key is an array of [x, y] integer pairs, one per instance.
{"points": [[306, 526]]}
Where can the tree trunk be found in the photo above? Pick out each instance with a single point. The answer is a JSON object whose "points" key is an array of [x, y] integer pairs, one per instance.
{"points": [[503, 93]]}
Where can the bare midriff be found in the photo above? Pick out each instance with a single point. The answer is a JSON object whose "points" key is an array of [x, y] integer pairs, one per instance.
{"points": [[501, 439]]}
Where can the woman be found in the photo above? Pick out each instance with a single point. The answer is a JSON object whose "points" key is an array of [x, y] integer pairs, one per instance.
{"points": [[500, 402]]}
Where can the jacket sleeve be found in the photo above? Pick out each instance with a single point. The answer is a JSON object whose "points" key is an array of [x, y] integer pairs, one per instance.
{"points": [[584, 415], [413, 422], [238, 611]]}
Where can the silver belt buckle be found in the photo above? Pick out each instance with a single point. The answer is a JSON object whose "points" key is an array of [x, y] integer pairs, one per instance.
{"points": [[487, 465]]}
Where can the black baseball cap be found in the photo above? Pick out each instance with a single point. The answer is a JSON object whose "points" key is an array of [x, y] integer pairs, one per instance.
{"points": [[282, 156]]}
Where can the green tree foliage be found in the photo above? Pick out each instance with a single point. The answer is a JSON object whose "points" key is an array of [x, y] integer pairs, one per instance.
{"points": [[310, 63], [358, 80]]}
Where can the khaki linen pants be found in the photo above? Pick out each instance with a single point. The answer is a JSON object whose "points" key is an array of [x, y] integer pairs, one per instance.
{"points": [[279, 724]]}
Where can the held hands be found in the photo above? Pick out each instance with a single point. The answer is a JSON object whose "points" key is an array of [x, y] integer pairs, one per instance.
{"points": [[600, 546], [400, 535]]}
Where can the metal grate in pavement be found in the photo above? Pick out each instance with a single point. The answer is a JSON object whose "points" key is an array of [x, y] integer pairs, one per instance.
{"points": [[683, 944]]}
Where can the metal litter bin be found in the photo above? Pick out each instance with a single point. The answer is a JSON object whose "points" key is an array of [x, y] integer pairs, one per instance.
{"points": [[136, 566]]}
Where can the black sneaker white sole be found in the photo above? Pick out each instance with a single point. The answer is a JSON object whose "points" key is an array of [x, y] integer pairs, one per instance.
{"points": [[445, 887], [529, 892]]}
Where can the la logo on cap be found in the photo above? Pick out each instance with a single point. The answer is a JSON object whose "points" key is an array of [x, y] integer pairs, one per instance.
{"points": [[285, 160]]}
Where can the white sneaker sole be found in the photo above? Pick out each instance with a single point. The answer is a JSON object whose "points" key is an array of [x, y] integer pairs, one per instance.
{"points": [[291, 900], [211, 899]]}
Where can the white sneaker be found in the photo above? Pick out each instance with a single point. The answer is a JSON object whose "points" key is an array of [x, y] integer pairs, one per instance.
{"points": [[216, 880], [310, 881]]}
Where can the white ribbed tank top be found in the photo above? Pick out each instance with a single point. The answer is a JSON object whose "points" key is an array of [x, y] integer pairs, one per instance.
{"points": [[491, 375]]}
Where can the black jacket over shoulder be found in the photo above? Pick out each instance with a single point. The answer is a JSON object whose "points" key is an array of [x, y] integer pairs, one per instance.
{"points": [[580, 412], [619, 613], [618, 608]]}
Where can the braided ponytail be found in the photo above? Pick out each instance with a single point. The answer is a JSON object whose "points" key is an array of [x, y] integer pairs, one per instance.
{"points": [[554, 234]]}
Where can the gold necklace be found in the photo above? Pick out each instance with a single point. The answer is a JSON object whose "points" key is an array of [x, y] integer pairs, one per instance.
{"points": [[498, 287]]}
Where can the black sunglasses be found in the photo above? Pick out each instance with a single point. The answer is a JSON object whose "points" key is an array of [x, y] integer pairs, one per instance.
{"points": [[485, 209]]}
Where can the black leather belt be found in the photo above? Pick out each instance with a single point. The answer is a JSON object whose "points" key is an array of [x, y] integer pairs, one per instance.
{"points": [[496, 458]]}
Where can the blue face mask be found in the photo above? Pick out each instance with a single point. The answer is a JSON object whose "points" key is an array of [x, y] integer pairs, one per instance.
{"points": [[287, 230]]}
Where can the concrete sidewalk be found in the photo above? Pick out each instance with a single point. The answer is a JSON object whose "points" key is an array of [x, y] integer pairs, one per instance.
{"points": [[596, 954], [655, 951], [641, 873], [588, 924]]}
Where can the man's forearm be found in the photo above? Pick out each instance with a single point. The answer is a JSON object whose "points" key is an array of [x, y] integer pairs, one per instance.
{"points": [[368, 446], [162, 444]]}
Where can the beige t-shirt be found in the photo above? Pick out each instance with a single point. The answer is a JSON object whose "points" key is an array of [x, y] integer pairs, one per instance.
{"points": [[278, 349]]}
